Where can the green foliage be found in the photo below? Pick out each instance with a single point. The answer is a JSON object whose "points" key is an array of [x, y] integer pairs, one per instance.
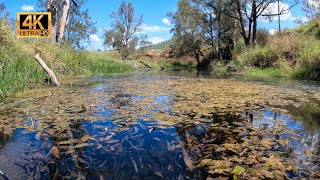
{"points": [[80, 26], [312, 29], [308, 65], [267, 72], [125, 25], [259, 56], [162, 45], [189, 35]]}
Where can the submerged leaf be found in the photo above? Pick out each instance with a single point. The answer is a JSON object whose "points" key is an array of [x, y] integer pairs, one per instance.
{"points": [[38, 136], [81, 145], [55, 152]]}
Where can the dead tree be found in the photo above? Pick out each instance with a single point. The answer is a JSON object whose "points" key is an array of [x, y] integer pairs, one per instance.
{"points": [[47, 69], [58, 27]]}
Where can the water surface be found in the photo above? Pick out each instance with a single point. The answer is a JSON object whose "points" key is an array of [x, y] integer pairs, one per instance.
{"points": [[163, 125]]}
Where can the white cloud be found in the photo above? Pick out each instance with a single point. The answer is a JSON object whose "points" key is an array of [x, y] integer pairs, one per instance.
{"points": [[273, 31], [273, 9], [153, 29], [155, 40], [95, 39], [27, 7], [166, 21]]}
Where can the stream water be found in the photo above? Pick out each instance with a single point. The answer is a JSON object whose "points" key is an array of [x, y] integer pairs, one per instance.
{"points": [[163, 125]]}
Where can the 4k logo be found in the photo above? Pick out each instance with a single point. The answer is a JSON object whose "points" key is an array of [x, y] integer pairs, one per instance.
{"points": [[34, 24]]}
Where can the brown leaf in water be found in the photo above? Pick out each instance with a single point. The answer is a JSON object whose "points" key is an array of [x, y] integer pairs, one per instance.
{"points": [[187, 160], [81, 145], [86, 138], [158, 173], [64, 142], [38, 136], [55, 152]]}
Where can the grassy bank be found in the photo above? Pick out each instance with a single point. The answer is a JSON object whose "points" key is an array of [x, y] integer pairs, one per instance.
{"points": [[18, 69], [294, 53]]}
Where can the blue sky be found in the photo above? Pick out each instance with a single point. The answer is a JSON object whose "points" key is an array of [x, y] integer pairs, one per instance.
{"points": [[154, 12]]}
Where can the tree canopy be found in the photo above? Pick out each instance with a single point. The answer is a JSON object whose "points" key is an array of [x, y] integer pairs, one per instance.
{"points": [[125, 27]]}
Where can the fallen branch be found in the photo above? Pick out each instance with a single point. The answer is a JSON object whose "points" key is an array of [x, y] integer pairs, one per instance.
{"points": [[47, 69], [146, 65]]}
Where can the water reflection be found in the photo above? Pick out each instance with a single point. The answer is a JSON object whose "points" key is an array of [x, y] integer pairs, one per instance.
{"points": [[117, 141]]}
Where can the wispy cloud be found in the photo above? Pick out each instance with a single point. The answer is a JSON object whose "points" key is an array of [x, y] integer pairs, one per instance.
{"points": [[156, 40], [154, 29], [95, 39], [166, 21], [27, 7]]}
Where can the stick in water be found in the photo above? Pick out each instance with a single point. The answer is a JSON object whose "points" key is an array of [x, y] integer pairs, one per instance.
{"points": [[47, 69]]}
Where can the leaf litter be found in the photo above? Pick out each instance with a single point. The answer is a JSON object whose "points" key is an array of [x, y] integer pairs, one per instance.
{"points": [[213, 120]]}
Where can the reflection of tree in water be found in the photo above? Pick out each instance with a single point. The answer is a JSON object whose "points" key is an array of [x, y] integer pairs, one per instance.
{"points": [[54, 155], [227, 141], [309, 115], [69, 162]]}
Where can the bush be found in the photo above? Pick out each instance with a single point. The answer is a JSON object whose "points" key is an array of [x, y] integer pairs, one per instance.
{"points": [[261, 57], [308, 65], [286, 46], [262, 37]]}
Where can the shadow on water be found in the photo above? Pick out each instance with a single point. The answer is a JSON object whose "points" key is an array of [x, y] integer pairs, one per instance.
{"points": [[123, 144]]}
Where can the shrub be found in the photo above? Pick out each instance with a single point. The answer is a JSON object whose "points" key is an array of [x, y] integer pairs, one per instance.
{"points": [[261, 57], [262, 37], [286, 46], [308, 64]]}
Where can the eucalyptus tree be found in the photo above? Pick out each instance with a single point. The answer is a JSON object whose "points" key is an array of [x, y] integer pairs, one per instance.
{"points": [[80, 26], [189, 31], [71, 23], [125, 27], [247, 12], [311, 9]]}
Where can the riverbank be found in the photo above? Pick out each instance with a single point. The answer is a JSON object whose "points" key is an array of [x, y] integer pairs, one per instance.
{"points": [[294, 53]]}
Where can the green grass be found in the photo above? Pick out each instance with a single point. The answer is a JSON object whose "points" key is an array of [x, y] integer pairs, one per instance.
{"points": [[312, 29], [19, 70], [294, 53], [268, 72]]}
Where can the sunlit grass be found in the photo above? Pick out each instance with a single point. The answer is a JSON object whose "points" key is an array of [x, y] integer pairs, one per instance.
{"points": [[19, 70]]}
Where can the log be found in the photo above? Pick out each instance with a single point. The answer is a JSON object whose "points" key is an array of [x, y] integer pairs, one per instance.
{"points": [[47, 69]]}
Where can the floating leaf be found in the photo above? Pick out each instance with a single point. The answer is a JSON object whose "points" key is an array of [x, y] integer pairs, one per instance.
{"points": [[158, 173], [204, 162], [55, 152], [86, 138], [308, 153], [220, 149], [134, 164], [238, 170], [81, 145], [38, 136]]}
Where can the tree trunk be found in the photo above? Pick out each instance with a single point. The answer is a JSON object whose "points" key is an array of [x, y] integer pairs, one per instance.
{"points": [[47, 69], [279, 23], [254, 19], [219, 32], [63, 19], [51, 7], [234, 38], [242, 24]]}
